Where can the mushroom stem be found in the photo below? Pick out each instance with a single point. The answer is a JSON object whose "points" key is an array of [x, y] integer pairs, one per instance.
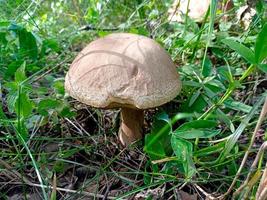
{"points": [[131, 125]]}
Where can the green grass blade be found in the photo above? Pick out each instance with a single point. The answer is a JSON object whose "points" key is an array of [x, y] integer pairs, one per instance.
{"points": [[234, 137], [213, 9], [261, 45], [242, 50]]}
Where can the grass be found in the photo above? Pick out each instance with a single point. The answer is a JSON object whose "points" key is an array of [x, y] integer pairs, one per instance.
{"points": [[53, 147]]}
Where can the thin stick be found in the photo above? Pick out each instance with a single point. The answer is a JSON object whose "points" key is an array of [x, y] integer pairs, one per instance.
{"points": [[262, 189], [66, 190], [207, 195], [262, 115], [253, 167]]}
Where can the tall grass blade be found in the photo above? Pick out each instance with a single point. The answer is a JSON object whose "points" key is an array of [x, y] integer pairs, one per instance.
{"points": [[234, 137]]}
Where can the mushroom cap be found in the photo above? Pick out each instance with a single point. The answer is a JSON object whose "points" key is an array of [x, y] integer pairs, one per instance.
{"points": [[196, 10], [123, 70]]}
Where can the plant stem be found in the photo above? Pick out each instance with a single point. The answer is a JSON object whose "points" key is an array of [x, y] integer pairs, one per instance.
{"points": [[227, 94]]}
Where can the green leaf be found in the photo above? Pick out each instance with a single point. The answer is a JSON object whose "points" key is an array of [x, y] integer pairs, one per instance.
{"points": [[236, 105], [261, 45], [157, 143], [263, 67], [197, 129], [24, 105], [196, 133], [184, 153], [47, 104], [59, 88], [216, 148], [12, 68], [52, 44], [3, 39], [4, 25], [242, 50], [22, 131], [207, 67], [66, 112], [197, 106], [194, 98], [198, 124], [49, 44], [27, 42], [215, 85], [20, 73], [14, 27], [12, 98], [59, 166]]}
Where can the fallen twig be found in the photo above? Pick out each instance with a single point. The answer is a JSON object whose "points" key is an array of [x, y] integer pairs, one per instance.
{"points": [[261, 118]]}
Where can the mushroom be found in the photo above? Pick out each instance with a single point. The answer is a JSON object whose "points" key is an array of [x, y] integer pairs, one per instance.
{"points": [[126, 71], [195, 9]]}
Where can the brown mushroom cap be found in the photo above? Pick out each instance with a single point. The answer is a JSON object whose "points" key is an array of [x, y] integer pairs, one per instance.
{"points": [[123, 70], [196, 9]]}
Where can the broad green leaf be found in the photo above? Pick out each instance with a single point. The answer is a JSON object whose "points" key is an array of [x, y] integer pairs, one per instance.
{"points": [[47, 104], [20, 73], [194, 98], [157, 142], [66, 112], [184, 153], [197, 129], [52, 44], [12, 68], [215, 85], [154, 150], [14, 27], [261, 45], [191, 83], [58, 86], [92, 15], [3, 39], [4, 25], [198, 124], [236, 105], [24, 105], [11, 100], [209, 92], [196, 133], [197, 106], [225, 74], [207, 67], [242, 50], [263, 67], [49, 44], [28, 45]]}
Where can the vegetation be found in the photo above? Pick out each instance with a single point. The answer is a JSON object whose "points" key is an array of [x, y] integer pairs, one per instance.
{"points": [[208, 142]]}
